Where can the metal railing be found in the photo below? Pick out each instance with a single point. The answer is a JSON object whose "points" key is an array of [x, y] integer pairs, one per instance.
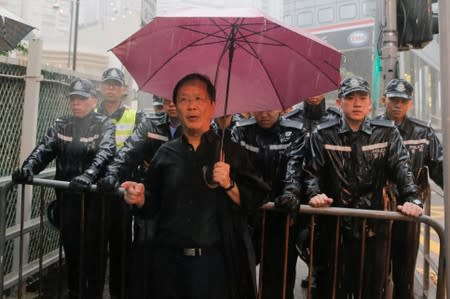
{"points": [[30, 268]]}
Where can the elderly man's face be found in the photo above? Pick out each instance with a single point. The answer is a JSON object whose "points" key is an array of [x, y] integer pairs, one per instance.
{"points": [[194, 106], [266, 119]]}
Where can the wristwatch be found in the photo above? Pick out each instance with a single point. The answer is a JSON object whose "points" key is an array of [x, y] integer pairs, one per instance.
{"points": [[90, 172], [229, 187], [417, 202]]}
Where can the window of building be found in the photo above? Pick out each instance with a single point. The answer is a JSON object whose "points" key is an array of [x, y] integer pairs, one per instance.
{"points": [[368, 9], [325, 15], [347, 12], [305, 19]]}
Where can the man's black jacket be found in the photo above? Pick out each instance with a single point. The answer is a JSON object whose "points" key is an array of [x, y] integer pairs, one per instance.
{"points": [[170, 185], [77, 144]]}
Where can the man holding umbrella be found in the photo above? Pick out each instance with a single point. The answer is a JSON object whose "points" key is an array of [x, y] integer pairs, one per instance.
{"points": [[201, 246]]}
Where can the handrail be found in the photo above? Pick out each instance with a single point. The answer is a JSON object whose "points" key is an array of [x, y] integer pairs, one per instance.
{"points": [[385, 215], [304, 209]]}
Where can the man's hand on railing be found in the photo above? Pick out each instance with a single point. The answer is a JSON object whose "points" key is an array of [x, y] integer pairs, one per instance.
{"points": [[108, 184], [134, 193], [81, 182], [23, 176], [320, 201]]}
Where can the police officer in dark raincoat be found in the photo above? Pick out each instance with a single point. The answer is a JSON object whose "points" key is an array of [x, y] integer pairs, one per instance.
{"points": [[313, 112], [426, 156], [348, 164], [82, 145], [275, 147], [201, 247], [130, 163]]}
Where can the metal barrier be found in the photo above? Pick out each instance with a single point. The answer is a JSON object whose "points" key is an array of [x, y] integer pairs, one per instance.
{"points": [[337, 212], [380, 215]]}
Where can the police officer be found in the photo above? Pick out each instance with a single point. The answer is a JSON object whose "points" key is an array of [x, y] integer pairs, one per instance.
{"points": [[275, 147], [314, 112], [347, 165], [130, 163], [113, 89], [426, 155], [82, 145], [158, 105]]}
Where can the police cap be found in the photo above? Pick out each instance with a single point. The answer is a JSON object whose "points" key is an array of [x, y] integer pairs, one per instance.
{"points": [[399, 88], [352, 84], [158, 101], [83, 88], [115, 74]]}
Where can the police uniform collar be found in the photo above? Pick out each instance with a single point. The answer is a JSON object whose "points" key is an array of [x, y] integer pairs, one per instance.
{"points": [[116, 114], [365, 127], [275, 129]]}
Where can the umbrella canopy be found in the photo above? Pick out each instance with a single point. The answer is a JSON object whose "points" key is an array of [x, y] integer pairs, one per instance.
{"points": [[12, 30], [252, 60]]}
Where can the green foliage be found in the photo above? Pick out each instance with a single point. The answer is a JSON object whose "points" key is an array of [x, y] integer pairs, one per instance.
{"points": [[21, 47]]}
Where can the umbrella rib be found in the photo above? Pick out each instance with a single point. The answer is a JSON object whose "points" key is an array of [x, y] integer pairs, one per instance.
{"points": [[284, 45], [193, 43]]}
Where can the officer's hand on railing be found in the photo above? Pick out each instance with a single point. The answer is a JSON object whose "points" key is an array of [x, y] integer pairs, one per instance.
{"points": [[108, 184], [410, 209], [320, 201], [22, 176], [287, 201], [81, 182]]}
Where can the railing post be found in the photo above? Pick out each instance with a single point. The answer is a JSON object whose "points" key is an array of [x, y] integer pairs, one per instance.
{"points": [[3, 191], [29, 131], [444, 42]]}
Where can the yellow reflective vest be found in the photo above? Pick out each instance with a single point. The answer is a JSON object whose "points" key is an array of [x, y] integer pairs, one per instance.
{"points": [[124, 126]]}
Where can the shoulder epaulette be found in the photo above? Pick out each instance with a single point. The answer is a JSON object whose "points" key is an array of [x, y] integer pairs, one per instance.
{"points": [[292, 113], [334, 110], [382, 123], [62, 119], [289, 123], [327, 124], [419, 122], [245, 122]]}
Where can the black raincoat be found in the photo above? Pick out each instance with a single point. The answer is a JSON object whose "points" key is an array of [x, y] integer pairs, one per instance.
{"points": [[79, 145], [352, 168]]}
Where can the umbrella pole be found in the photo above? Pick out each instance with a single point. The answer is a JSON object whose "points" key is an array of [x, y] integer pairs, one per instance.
{"points": [[231, 42]]}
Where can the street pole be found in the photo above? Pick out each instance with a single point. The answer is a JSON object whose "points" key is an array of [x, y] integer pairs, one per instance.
{"points": [[389, 52], [69, 52], [75, 35], [444, 42]]}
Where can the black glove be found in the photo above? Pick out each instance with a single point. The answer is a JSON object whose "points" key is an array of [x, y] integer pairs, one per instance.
{"points": [[22, 176], [288, 201], [108, 184], [81, 182]]}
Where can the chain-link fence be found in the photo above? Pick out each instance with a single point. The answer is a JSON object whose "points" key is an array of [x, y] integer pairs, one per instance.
{"points": [[52, 104]]}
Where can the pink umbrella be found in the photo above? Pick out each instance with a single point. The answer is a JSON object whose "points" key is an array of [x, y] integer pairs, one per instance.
{"points": [[252, 60]]}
